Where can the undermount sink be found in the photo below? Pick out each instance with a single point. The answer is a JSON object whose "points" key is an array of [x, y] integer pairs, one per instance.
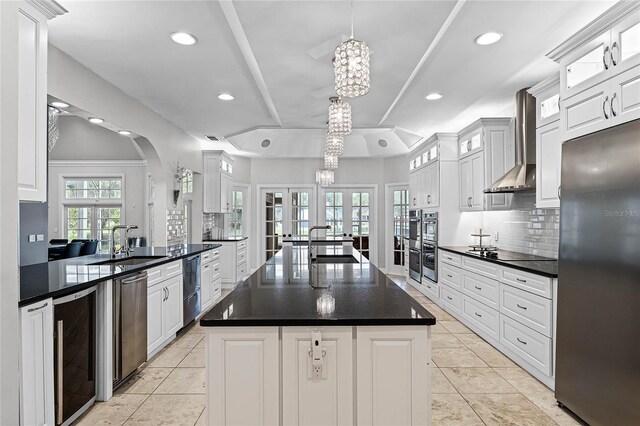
{"points": [[134, 260], [335, 258]]}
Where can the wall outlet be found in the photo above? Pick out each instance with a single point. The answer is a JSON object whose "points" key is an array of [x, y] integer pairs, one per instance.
{"points": [[40, 237], [32, 238]]}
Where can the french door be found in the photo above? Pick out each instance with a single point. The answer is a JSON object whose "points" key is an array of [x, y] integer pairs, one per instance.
{"points": [[397, 213], [287, 212]]}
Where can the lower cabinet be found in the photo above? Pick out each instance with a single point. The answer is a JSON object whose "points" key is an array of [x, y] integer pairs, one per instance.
{"points": [[36, 364], [164, 312], [210, 280], [387, 382], [233, 262]]}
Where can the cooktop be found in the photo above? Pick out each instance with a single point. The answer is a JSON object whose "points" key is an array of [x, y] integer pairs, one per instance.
{"points": [[506, 255]]}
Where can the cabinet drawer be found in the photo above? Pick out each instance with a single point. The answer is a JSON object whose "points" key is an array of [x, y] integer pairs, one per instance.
{"points": [[529, 309], [205, 257], [450, 258], [215, 254], [483, 317], [482, 289], [451, 276], [451, 299], [172, 269], [242, 256], [530, 345], [431, 288], [242, 271], [532, 283], [482, 267], [242, 245], [154, 275]]}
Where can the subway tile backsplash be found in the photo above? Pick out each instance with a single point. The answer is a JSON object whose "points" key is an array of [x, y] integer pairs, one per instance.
{"points": [[525, 229], [176, 229]]}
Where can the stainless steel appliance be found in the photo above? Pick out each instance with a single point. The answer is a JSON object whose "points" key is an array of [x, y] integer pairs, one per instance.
{"points": [[129, 325], [598, 329], [430, 246], [191, 288], [415, 245], [75, 354]]}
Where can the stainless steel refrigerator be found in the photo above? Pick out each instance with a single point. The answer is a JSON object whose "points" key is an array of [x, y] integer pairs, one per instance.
{"points": [[598, 328]]}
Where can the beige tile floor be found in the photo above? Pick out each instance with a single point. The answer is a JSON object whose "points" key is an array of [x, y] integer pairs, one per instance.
{"points": [[473, 384]]}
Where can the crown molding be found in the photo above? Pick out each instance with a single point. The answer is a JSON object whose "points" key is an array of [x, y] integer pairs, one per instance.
{"points": [[552, 82], [98, 163], [598, 26], [49, 8]]}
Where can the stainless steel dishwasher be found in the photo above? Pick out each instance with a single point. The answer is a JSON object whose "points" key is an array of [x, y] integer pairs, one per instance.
{"points": [[129, 325]]}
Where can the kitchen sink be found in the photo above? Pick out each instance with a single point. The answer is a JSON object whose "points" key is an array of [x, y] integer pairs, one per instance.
{"points": [[134, 260], [335, 258]]}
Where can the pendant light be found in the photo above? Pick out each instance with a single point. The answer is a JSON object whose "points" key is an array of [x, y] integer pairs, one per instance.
{"points": [[324, 177], [339, 117], [330, 161], [351, 66], [334, 145]]}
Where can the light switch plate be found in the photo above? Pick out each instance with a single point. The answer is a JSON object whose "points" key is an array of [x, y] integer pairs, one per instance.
{"points": [[40, 237], [32, 238]]}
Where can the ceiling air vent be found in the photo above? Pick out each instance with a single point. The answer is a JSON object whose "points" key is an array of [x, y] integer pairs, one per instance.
{"points": [[212, 138]]}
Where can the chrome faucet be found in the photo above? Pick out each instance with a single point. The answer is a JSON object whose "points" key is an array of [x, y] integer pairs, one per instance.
{"points": [[311, 230], [128, 250], [112, 242]]}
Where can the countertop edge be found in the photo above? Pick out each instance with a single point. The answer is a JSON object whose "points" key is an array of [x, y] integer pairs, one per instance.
{"points": [[319, 322], [224, 240], [502, 262]]}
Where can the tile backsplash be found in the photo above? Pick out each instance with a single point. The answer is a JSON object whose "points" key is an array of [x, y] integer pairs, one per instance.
{"points": [[213, 226], [525, 229], [176, 229]]}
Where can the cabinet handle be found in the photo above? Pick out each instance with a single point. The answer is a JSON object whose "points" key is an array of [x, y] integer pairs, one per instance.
{"points": [[469, 145], [478, 288], [521, 307], [613, 58], [521, 341], [478, 315], [559, 192], [521, 280], [414, 201], [613, 111], [449, 297], [606, 53], [60, 366], [38, 308], [604, 104], [450, 276]]}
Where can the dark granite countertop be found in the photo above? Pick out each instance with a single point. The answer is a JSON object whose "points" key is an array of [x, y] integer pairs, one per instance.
{"points": [[217, 240], [63, 277], [317, 240], [529, 263], [279, 294]]}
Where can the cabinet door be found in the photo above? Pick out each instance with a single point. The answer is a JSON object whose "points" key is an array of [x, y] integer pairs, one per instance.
{"points": [[466, 176], [586, 112], [206, 297], [172, 306], [586, 67], [548, 165], [477, 181], [425, 190], [226, 188], [393, 373], [36, 359], [625, 96], [415, 188], [211, 190], [430, 186], [32, 104], [324, 400], [435, 185], [499, 158], [625, 44], [155, 324]]}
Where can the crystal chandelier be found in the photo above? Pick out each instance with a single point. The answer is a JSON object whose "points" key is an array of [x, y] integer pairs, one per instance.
{"points": [[351, 66], [324, 177], [53, 133], [339, 117], [334, 145], [330, 161]]}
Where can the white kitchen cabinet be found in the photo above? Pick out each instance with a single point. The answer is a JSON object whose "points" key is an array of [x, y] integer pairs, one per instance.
{"points": [[206, 296], [210, 279], [431, 185], [486, 153], [36, 364], [164, 306], [415, 189], [548, 165], [325, 398], [243, 376], [625, 98], [586, 112], [391, 367], [218, 182], [233, 262]]}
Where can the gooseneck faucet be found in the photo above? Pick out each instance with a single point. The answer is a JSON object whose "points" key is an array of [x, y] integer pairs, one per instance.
{"points": [[311, 230], [128, 248], [112, 242]]}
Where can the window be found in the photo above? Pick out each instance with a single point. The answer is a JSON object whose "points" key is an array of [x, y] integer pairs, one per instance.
{"points": [[92, 206], [187, 181], [299, 213], [400, 224], [334, 210], [236, 219], [360, 221]]}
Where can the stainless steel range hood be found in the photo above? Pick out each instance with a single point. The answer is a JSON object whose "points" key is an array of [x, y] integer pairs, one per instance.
{"points": [[522, 177]]}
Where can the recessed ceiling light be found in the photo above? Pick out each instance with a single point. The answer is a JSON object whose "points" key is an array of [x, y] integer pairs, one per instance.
{"points": [[96, 120], [488, 38], [59, 104], [433, 96], [226, 97], [124, 132], [184, 39]]}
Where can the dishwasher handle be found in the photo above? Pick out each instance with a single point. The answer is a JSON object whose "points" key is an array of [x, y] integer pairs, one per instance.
{"points": [[139, 277]]}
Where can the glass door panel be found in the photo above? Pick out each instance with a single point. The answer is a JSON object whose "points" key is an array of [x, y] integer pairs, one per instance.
{"points": [[585, 67], [400, 224], [360, 221], [273, 222]]}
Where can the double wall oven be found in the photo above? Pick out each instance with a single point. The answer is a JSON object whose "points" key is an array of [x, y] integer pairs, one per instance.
{"points": [[430, 246], [415, 245]]}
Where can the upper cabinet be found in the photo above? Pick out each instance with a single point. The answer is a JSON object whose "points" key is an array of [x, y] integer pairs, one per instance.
{"points": [[486, 152], [32, 97], [218, 182], [600, 73], [425, 169]]}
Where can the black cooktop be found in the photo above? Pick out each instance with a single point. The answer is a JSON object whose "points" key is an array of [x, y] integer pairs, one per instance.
{"points": [[506, 255]]}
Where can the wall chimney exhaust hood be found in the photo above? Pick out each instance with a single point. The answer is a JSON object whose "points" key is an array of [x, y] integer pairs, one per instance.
{"points": [[522, 177]]}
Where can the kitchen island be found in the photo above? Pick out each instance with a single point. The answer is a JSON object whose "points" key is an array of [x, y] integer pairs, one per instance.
{"points": [[337, 343]]}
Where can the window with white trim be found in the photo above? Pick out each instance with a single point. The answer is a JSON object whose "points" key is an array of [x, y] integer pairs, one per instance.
{"points": [[187, 181], [236, 219]]}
